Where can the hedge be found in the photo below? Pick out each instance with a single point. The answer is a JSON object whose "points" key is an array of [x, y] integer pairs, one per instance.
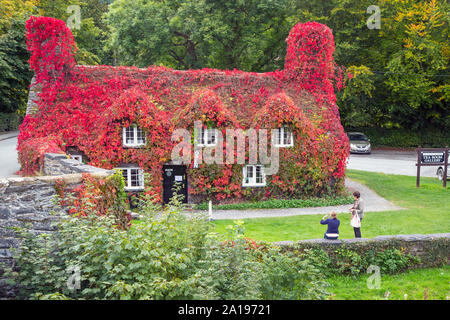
{"points": [[9, 121], [392, 255], [404, 138]]}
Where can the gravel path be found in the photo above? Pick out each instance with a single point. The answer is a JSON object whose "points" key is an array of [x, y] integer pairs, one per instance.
{"points": [[373, 203]]}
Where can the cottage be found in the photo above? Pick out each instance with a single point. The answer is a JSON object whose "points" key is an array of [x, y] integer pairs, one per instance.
{"points": [[137, 119]]}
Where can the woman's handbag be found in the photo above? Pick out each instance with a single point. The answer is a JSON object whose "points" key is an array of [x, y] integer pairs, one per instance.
{"points": [[355, 222]]}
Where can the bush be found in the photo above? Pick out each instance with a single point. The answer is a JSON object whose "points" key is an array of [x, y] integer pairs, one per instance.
{"points": [[355, 260], [391, 260], [9, 121], [167, 255]]}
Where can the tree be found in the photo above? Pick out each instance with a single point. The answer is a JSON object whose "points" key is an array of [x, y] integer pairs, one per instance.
{"points": [[414, 72], [15, 75], [248, 34]]}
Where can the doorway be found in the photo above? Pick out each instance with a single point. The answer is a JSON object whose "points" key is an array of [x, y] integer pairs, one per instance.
{"points": [[174, 175]]}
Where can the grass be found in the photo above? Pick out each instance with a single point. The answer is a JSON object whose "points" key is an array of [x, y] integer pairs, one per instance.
{"points": [[434, 283], [427, 211], [280, 203]]}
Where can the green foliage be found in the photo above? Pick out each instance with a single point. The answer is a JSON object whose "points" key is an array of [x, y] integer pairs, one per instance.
{"points": [[9, 121], [405, 138], [14, 71], [355, 108], [348, 261], [248, 35], [391, 260], [354, 260], [165, 256], [281, 203], [288, 277]]}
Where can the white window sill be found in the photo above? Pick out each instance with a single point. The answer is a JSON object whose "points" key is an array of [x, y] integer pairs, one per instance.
{"points": [[207, 145], [134, 188], [134, 145], [283, 145], [253, 185]]}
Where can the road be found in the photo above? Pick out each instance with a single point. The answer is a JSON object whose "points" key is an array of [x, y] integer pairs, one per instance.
{"points": [[390, 161], [8, 157]]}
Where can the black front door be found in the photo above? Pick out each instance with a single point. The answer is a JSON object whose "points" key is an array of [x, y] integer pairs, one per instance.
{"points": [[172, 175]]}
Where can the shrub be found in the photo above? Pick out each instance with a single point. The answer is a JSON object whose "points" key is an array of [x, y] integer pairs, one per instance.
{"points": [[391, 260], [167, 255], [354, 260], [9, 121], [404, 138]]}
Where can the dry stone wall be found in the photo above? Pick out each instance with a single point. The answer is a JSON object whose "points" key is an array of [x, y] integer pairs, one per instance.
{"points": [[31, 200]]}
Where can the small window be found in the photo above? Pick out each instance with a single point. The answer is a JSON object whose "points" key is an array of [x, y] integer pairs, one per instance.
{"points": [[133, 136], [254, 176], [77, 157], [134, 178], [206, 137], [283, 137]]}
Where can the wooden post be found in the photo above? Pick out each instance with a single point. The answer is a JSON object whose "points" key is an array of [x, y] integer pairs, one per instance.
{"points": [[445, 166], [418, 168]]}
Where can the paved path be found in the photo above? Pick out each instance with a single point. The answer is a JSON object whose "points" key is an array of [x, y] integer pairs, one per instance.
{"points": [[8, 155], [391, 162], [373, 203]]}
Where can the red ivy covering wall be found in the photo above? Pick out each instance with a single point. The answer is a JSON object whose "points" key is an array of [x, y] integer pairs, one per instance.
{"points": [[86, 107]]}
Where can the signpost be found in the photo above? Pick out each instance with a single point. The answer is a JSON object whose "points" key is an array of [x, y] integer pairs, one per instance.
{"points": [[432, 157]]}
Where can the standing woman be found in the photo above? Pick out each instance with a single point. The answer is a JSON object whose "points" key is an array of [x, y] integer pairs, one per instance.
{"points": [[357, 209]]}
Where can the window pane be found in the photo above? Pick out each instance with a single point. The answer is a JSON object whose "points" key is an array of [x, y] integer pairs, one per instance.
{"points": [[140, 136], [287, 136], [249, 171], [277, 137], [129, 135], [258, 174], [134, 177]]}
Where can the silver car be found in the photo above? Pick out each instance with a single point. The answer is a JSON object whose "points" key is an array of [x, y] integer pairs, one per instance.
{"points": [[440, 173], [359, 143]]}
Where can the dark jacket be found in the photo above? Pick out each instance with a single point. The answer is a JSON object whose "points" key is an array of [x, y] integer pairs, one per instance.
{"points": [[333, 225]]}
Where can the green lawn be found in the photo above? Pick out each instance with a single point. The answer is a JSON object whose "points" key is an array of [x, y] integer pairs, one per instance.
{"points": [[435, 282], [427, 211]]}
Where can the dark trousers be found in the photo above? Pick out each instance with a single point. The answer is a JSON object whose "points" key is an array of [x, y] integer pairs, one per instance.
{"points": [[357, 231]]}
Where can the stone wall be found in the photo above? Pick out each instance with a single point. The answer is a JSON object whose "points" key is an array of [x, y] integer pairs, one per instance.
{"points": [[58, 164], [432, 249], [30, 200]]}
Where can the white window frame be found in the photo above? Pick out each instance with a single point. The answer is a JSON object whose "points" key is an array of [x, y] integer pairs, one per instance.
{"points": [[282, 143], [128, 180], [77, 157], [202, 137], [135, 142], [252, 180]]}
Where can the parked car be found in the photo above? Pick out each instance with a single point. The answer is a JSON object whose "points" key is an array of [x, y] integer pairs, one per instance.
{"points": [[440, 173], [359, 143]]}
